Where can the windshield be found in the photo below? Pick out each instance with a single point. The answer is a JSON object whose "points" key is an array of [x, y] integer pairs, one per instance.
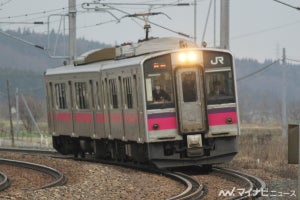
{"points": [[158, 82], [219, 87]]}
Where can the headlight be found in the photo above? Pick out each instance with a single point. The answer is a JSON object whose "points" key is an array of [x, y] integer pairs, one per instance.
{"points": [[189, 57]]}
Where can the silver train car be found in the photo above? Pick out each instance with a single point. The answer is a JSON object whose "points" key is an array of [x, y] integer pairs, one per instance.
{"points": [[162, 101]]}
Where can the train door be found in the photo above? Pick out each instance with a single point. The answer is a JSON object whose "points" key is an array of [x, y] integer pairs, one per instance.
{"points": [[190, 100], [83, 104], [62, 108], [98, 102], [130, 109]]}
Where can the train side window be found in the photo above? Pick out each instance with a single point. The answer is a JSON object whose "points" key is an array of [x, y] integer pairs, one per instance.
{"points": [[113, 93], [50, 95], [128, 92], [60, 95], [81, 94], [98, 95]]}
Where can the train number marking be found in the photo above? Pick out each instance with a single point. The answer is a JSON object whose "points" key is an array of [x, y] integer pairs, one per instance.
{"points": [[218, 59]]}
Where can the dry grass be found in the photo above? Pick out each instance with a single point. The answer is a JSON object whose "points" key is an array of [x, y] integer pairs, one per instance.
{"points": [[264, 149]]}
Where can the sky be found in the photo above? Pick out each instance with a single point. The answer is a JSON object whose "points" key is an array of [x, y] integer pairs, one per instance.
{"points": [[259, 29]]}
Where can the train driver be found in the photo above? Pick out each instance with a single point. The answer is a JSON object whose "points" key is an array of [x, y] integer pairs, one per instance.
{"points": [[217, 91], [158, 94]]}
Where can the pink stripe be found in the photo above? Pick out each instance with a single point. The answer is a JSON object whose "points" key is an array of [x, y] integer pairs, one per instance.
{"points": [[116, 118], [63, 117], [131, 118], [164, 123], [83, 117], [99, 118], [220, 118]]}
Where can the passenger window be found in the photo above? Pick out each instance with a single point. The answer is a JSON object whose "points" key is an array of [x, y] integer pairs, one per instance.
{"points": [[81, 94], [60, 95], [189, 86], [128, 92], [113, 93], [98, 95]]}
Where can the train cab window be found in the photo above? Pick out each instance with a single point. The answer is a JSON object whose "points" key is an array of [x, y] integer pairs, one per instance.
{"points": [[189, 86], [220, 87], [113, 93], [128, 92], [60, 95], [81, 94], [158, 82]]}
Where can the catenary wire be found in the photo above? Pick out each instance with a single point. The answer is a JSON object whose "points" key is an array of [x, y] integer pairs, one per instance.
{"points": [[258, 71]]}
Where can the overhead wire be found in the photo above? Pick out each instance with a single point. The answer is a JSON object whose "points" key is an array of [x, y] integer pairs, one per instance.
{"points": [[5, 2], [294, 60], [258, 71]]}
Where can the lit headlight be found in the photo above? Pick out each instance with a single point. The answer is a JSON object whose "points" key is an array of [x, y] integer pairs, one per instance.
{"points": [[187, 57], [182, 57], [192, 56]]}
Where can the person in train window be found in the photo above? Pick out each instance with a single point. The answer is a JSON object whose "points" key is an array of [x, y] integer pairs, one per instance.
{"points": [[158, 94], [217, 91]]}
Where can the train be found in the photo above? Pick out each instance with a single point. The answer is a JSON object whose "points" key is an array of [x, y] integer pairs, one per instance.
{"points": [[164, 101]]}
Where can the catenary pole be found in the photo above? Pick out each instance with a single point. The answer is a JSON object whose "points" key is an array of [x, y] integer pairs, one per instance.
{"points": [[284, 115], [10, 115], [72, 31], [224, 24]]}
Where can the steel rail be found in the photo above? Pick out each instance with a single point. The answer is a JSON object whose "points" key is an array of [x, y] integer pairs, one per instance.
{"points": [[255, 184], [4, 181], [194, 188], [60, 179]]}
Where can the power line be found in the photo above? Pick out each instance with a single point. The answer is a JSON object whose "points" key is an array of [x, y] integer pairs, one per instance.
{"points": [[21, 40], [34, 13], [5, 2], [294, 60], [258, 71], [297, 8], [264, 30]]}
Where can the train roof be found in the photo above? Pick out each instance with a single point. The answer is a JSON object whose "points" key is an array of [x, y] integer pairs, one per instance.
{"points": [[125, 55], [94, 67]]}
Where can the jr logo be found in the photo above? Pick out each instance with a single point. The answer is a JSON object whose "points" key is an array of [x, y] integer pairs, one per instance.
{"points": [[218, 59]]}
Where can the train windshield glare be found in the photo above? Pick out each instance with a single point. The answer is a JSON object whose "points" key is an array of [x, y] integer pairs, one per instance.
{"points": [[158, 82]]}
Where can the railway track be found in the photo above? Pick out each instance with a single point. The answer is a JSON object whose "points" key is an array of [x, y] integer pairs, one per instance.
{"points": [[59, 178], [4, 181], [254, 185], [194, 189]]}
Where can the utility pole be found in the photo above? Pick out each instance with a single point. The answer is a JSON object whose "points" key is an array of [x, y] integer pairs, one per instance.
{"points": [[195, 21], [215, 14], [284, 116], [224, 24], [17, 111], [10, 115], [72, 30]]}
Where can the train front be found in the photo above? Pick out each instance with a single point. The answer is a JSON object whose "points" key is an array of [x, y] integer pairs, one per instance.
{"points": [[191, 110]]}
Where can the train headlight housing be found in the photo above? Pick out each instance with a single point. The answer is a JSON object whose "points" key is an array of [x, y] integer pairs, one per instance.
{"points": [[192, 57], [187, 57], [182, 57]]}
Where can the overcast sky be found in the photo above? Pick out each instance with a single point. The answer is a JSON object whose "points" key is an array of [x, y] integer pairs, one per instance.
{"points": [[259, 29]]}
